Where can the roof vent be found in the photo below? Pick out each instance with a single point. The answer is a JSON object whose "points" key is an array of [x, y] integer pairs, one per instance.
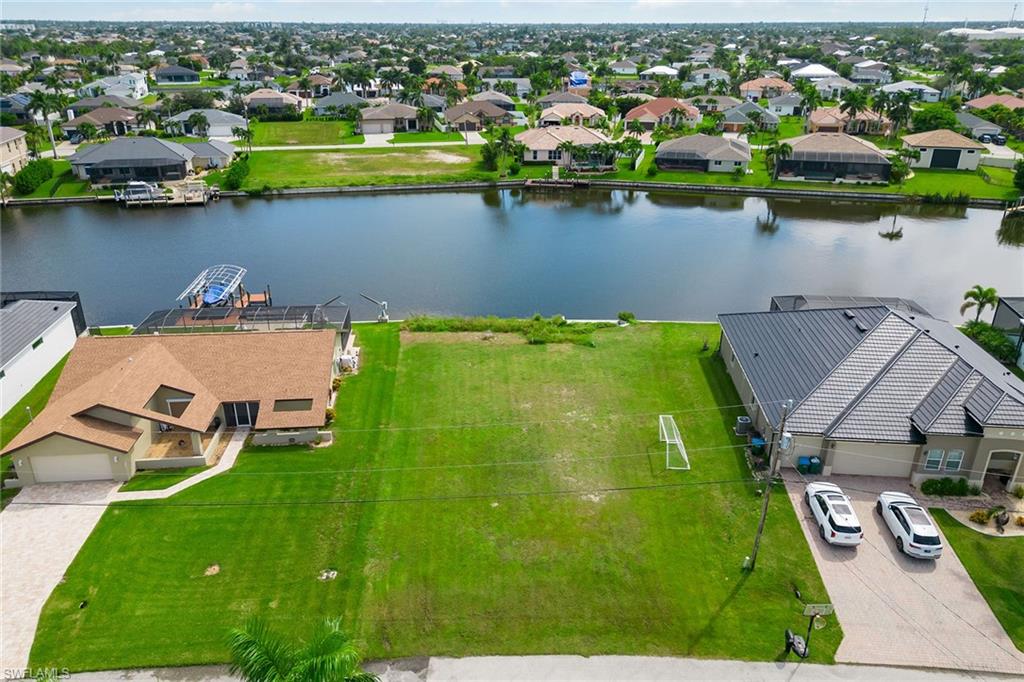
{"points": [[756, 354], [861, 326], [849, 314]]}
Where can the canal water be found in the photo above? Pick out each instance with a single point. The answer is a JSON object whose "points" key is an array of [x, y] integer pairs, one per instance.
{"points": [[515, 252]]}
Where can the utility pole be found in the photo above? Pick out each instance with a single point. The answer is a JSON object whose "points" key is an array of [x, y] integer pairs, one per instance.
{"points": [[774, 458]]}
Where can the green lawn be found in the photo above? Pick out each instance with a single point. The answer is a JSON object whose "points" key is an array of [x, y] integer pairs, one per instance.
{"points": [[502, 537], [277, 133], [17, 418], [122, 330], [429, 136], [62, 184], [790, 126], [158, 479], [995, 565]]}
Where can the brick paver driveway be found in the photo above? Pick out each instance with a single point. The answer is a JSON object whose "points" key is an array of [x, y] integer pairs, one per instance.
{"points": [[901, 611], [37, 543]]}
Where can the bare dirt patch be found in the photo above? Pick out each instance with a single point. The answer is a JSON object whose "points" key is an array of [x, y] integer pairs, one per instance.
{"points": [[395, 163], [212, 569], [409, 338]]}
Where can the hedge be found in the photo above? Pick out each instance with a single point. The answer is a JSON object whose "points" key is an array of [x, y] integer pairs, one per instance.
{"points": [[35, 173]]}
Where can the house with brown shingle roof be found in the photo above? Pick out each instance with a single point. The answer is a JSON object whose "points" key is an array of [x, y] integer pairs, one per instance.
{"points": [[834, 157], [666, 111], [835, 120], [944, 149], [764, 87], [476, 115], [547, 145], [581, 114], [1008, 101], [114, 120], [125, 400]]}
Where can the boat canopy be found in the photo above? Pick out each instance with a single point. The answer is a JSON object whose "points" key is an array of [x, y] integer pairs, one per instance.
{"points": [[215, 284]]}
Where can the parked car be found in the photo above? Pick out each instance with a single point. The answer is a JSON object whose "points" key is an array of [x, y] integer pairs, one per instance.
{"points": [[999, 139], [834, 514], [985, 138], [915, 532]]}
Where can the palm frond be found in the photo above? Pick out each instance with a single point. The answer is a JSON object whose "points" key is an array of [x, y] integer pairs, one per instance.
{"points": [[258, 655]]}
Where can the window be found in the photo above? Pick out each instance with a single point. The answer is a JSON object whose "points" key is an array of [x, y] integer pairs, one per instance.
{"points": [[294, 405], [953, 460], [38, 342], [718, 163], [933, 460], [2, 374]]}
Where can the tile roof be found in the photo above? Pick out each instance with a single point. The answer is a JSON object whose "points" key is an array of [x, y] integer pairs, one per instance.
{"points": [[25, 321], [835, 147], [701, 146], [7, 134], [550, 137], [987, 101], [941, 138], [391, 111], [660, 106], [123, 373], [766, 83]]}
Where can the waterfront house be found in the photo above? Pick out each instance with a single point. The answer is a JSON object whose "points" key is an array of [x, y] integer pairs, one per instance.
{"points": [[736, 119], [36, 335], [790, 104], [211, 154], [337, 101], [114, 120], [174, 74], [835, 120], [878, 390], [13, 152], [976, 125], [271, 101], [666, 111], [1009, 319], [476, 115], [706, 153], [220, 123], [574, 114], [832, 157], [944, 149], [498, 99], [122, 400], [706, 103], [920, 91], [986, 101], [127, 85], [149, 159], [388, 118], [764, 88], [542, 146]]}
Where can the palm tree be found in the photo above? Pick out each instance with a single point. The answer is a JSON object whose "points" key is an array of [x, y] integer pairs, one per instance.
{"points": [[631, 147], [198, 122], [900, 110], [569, 151], [244, 134], [86, 130], [44, 104], [635, 127], [260, 655], [147, 116], [979, 298], [776, 153], [853, 103], [425, 117]]}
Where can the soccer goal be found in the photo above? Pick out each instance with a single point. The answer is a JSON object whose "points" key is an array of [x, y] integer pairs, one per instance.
{"points": [[668, 433]]}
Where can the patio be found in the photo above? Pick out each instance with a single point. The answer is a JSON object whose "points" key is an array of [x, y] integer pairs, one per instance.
{"points": [[176, 443]]}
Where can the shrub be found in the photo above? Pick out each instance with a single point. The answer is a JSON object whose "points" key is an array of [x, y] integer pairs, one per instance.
{"points": [[1018, 492], [1020, 521], [627, 316], [992, 340], [35, 173], [236, 174], [979, 516], [514, 168], [336, 383], [537, 330], [946, 487], [329, 415], [652, 170]]}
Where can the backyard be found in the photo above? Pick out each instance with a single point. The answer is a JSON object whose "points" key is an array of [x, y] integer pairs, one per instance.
{"points": [[482, 496], [281, 133]]}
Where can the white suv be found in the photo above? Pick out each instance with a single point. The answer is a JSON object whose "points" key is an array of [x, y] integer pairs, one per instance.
{"points": [[833, 512], [914, 530]]}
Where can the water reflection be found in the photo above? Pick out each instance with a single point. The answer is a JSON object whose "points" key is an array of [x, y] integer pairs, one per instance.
{"points": [[1011, 231]]}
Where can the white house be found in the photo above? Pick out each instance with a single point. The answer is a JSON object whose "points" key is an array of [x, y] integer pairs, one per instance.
{"points": [[814, 72], [624, 67], [37, 334], [130, 85], [921, 91], [659, 71], [944, 149]]}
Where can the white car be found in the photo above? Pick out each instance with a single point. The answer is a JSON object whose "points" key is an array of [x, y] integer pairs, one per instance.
{"points": [[834, 514], [914, 530]]}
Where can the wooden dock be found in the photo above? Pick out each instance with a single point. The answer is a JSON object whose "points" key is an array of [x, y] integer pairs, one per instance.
{"points": [[188, 194]]}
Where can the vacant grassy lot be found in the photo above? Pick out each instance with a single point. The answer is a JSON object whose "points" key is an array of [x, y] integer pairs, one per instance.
{"points": [[428, 136], [995, 565], [278, 133], [482, 497]]}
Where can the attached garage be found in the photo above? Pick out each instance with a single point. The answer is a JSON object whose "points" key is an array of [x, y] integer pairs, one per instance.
{"points": [[65, 468], [872, 459], [374, 127]]}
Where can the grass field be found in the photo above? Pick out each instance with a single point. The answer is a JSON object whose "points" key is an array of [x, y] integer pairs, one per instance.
{"points": [[17, 418], [279, 133], [995, 565], [159, 479], [429, 136], [790, 126], [122, 330], [62, 184], [481, 497]]}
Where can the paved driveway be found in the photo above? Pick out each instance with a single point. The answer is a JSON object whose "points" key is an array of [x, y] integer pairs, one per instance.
{"points": [[37, 544], [901, 611]]}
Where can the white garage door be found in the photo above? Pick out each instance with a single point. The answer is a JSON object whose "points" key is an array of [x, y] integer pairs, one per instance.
{"points": [[62, 468], [376, 127], [869, 459]]}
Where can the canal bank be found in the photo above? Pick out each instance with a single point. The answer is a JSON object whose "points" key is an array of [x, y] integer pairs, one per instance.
{"points": [[745, 191]]}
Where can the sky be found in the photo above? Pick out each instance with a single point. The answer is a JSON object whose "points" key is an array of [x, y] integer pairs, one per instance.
{"points": [[513, 11]]}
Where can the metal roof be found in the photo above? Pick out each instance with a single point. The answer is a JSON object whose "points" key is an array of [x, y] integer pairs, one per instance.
{"points": [[25, 321], [801, 301]]}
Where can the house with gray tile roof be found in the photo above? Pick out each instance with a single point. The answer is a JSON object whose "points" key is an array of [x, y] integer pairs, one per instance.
{"points": [[882, 390], [36, 335], [703, 153]]}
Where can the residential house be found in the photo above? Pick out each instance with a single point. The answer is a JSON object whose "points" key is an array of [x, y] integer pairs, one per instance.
{"points": [[665, 111], [1009, 319], [522, 85], [18, 107], [498, 99], [709, 76], [706, 153], [740, 116], [813, 73], [319, 86], [574, 114], [128, 85], [986, 101], [87, 104], [266, 99], [174, 74], [389, 118], [11, 68], [37, 334], [476, 115], [13, 155], [453, 72], [436, 86], [337, 101], [123, 401], [435, 103], [871, 72], [211, 154], [944, 149], [706, 103], [790, 104], [219, 123], [659, 71], [560, 97], [920, 91], [764, 88], [878, 391], [114, 120], [542, 146], [832, 157], [977, 126], [623, 67], [149, 159], [238, 70], [834, 88], [835, 120]]}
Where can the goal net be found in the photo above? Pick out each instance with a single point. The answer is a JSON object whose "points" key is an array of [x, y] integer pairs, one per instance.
{"points": [[675, 451]]}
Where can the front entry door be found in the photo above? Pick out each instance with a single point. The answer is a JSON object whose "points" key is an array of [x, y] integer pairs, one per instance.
{"points": [[241, 414]]}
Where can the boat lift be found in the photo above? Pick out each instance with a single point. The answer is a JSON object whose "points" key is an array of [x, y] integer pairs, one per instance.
{"points": [[220, 285]]}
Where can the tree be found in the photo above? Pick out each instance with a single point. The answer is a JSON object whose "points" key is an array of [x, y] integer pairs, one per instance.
{"points": [[854, 102], [979, 298], [775, 154], [570, 150], [244, 134], [198, 122], [147, 116], [44, 104], [900, 110], [260, 655], [86, 130], [631, 147], [425, 117], [417, 66], [636, 127], [934, 117], [1018, 175]]}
